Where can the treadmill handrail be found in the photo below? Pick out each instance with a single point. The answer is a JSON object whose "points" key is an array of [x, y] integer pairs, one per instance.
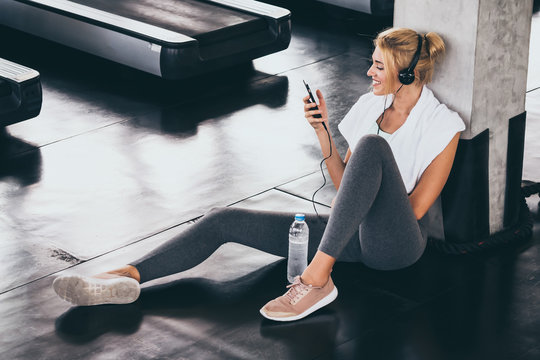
{"points": [[108, 19], [16, 72], [255, 7]]}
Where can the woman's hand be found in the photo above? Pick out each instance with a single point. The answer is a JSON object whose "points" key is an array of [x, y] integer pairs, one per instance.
{"points": [[309, 112], [334, 163]]}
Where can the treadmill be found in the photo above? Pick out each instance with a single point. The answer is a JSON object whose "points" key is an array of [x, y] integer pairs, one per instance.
{"points": [[20, 94], [172, 39]]}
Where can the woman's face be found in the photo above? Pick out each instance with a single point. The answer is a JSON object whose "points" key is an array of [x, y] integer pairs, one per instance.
{"points": [[378, 73]]}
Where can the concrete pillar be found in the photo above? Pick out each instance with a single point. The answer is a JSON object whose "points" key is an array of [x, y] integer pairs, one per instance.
{"points": [[484, 74]]}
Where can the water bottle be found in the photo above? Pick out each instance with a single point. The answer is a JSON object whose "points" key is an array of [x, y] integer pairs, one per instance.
{"points": [[298, 247]]}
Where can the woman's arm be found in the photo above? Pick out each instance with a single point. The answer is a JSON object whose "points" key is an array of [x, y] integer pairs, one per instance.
{"points": [[334, 164], [433, 179]]}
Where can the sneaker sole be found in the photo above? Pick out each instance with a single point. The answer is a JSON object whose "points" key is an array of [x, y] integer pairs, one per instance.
{"points": [[86, 291], [321, 303]]}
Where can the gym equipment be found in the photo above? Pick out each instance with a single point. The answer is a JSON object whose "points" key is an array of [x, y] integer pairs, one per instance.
{"points": [[20, 93], [171, 39]]}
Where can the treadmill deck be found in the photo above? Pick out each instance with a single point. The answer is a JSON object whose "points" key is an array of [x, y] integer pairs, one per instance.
{"points": [[172, 39], [197, 19]]}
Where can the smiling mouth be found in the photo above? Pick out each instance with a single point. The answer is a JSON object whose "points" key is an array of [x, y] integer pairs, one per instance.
{"points": [[375, 82]]}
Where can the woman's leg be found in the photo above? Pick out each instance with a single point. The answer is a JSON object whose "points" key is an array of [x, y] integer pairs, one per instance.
{"points": [[263, 230], [371, 197], [372, 194]]}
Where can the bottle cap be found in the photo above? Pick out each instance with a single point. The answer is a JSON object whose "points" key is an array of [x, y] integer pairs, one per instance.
{"points": [[299, 217]]}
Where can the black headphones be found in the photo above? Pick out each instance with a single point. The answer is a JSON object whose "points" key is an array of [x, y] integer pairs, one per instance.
{"points": [[406, 76]]}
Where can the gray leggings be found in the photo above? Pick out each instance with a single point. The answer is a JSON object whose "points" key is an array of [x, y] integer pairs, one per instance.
{"points": [[371, 222]]}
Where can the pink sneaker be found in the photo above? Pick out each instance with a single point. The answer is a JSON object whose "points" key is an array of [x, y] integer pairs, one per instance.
{"points": [[86, 291], [299, 301]]}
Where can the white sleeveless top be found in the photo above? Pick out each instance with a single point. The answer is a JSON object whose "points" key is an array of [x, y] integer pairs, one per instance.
{"points": [[425, 133], [374, 129]]}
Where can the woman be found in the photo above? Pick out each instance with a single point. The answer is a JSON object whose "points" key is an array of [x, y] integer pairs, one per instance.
{"points": [[402, 146]]}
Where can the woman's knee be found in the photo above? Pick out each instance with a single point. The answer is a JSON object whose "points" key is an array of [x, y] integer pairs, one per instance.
{"points": [[372, 143], [216, 216], [372, 147], [220, 212], [215, 211], [224, 215]]}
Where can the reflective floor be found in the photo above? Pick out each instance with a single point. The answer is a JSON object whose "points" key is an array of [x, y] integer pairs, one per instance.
{"points": [[118, 162]]}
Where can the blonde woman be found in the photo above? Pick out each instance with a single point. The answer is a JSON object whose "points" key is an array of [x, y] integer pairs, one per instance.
{"points": [[402, 145]]}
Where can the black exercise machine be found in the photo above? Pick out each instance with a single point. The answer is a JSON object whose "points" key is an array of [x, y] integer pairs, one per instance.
{"points": [[169, 38], [20, 93]]}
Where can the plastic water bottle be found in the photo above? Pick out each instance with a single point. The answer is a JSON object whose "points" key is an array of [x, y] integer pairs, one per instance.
{"points": [[298, 247]]}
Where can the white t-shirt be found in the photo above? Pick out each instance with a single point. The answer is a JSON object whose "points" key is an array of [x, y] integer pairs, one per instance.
{"points": [[425, 134]]}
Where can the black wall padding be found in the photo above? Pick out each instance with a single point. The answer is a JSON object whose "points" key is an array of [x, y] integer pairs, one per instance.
{"points": [[514, 169], [465, 197]]}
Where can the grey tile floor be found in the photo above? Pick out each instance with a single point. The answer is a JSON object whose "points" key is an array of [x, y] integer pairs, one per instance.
{"points": [[122, 161]]}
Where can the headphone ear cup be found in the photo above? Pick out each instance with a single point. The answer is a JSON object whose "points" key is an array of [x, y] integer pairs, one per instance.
{"points": [[406, 77]]}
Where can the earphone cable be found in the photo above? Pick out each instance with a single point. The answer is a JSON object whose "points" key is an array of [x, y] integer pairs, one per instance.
{"points": [[384, 109], [322, 172]]}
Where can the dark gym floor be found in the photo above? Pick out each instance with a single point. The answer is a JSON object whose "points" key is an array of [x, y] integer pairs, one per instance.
{"points": [[119, 161]]}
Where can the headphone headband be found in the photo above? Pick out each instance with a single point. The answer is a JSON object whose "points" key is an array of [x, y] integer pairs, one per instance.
{"points": [[406, 76]]}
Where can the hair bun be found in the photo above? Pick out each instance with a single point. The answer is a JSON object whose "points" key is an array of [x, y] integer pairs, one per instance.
{"points": [[434, 46]]}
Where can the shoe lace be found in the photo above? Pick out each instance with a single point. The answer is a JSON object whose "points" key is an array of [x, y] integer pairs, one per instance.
{"points": [[297, 289]]}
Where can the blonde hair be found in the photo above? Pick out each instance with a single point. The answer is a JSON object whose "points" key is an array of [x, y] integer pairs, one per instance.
{"points": [[398, 47]]}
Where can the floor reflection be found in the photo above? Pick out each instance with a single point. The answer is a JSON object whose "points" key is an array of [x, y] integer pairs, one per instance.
{"points": [[19, 159]]}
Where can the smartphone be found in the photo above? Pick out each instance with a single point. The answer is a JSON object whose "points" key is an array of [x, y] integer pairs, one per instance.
{"points": [[312, 100]]}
